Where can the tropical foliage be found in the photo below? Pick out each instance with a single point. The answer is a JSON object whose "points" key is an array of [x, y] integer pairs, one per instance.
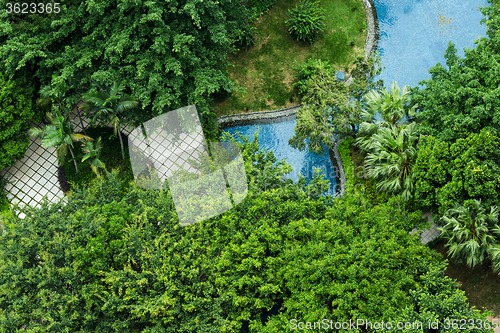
{"points": [[384, 110], [306, 20], [93, 152], [332, 109], [171, 54], [60, 135], [16, 112], [391, 158], [62, 95], [472, 233], [466, 169], [109, 105]]}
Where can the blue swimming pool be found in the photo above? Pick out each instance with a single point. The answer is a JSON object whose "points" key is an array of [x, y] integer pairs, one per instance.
{"points": [[275, 137], [414, 35]]}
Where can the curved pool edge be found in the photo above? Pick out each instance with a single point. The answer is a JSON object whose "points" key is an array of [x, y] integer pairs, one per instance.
{"points": [[372, 30]]}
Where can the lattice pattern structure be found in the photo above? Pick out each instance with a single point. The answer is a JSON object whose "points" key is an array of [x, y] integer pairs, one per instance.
{"points": [[35, 176], [171, 148]]}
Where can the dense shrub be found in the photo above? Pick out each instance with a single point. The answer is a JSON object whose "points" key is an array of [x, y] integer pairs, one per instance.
{"points": [[261, 6], [109, 261], [306, 20], [172, 54], [359, 263], [16, 112], [307, 70], [466, 169], [4, 202]]}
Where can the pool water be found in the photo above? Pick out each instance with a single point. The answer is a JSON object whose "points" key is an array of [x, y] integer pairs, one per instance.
{"points": [[275, 137], [414, 35]]}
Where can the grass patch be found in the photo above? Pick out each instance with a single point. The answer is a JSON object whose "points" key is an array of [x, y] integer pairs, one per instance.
{"points": [[111, 156], [266, 70]]}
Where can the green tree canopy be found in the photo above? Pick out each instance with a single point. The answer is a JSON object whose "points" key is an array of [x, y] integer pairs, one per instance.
{"points": [[333, 108], [171, 53], [466, 169], [464, 97], [16, 112], [115, 259], [359, 262]]}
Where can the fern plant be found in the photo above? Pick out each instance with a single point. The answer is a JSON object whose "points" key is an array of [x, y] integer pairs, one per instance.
{"points": [[306, 20]]}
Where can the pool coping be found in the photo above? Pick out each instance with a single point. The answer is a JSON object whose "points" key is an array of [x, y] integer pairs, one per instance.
{"points": [[287, 114]]}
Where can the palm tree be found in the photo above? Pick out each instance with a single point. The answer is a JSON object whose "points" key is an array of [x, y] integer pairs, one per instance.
{"points": [[470, 232], [93, 151], [61, 95], [108, 105], [392, 107], [59, 134], [392, 154]]}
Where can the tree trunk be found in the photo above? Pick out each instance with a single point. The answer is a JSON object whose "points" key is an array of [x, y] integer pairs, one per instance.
{"points": [[121, 143], [353, 131], [74, 159], [80, 116]]}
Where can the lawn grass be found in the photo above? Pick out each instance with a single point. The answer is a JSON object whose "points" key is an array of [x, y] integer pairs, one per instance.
{"points": [[266, 70]]}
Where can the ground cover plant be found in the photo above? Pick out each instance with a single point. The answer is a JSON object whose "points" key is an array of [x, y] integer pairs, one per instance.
{"points": [[266, 70], [306, 20]]}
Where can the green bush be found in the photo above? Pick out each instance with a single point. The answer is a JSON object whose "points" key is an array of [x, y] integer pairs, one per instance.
{"points": [[107, 262], [308, 69], [345, 154], [306, 20], [16, 112], [110, 156], [449, 173], [261, 6], [4, 202]]}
